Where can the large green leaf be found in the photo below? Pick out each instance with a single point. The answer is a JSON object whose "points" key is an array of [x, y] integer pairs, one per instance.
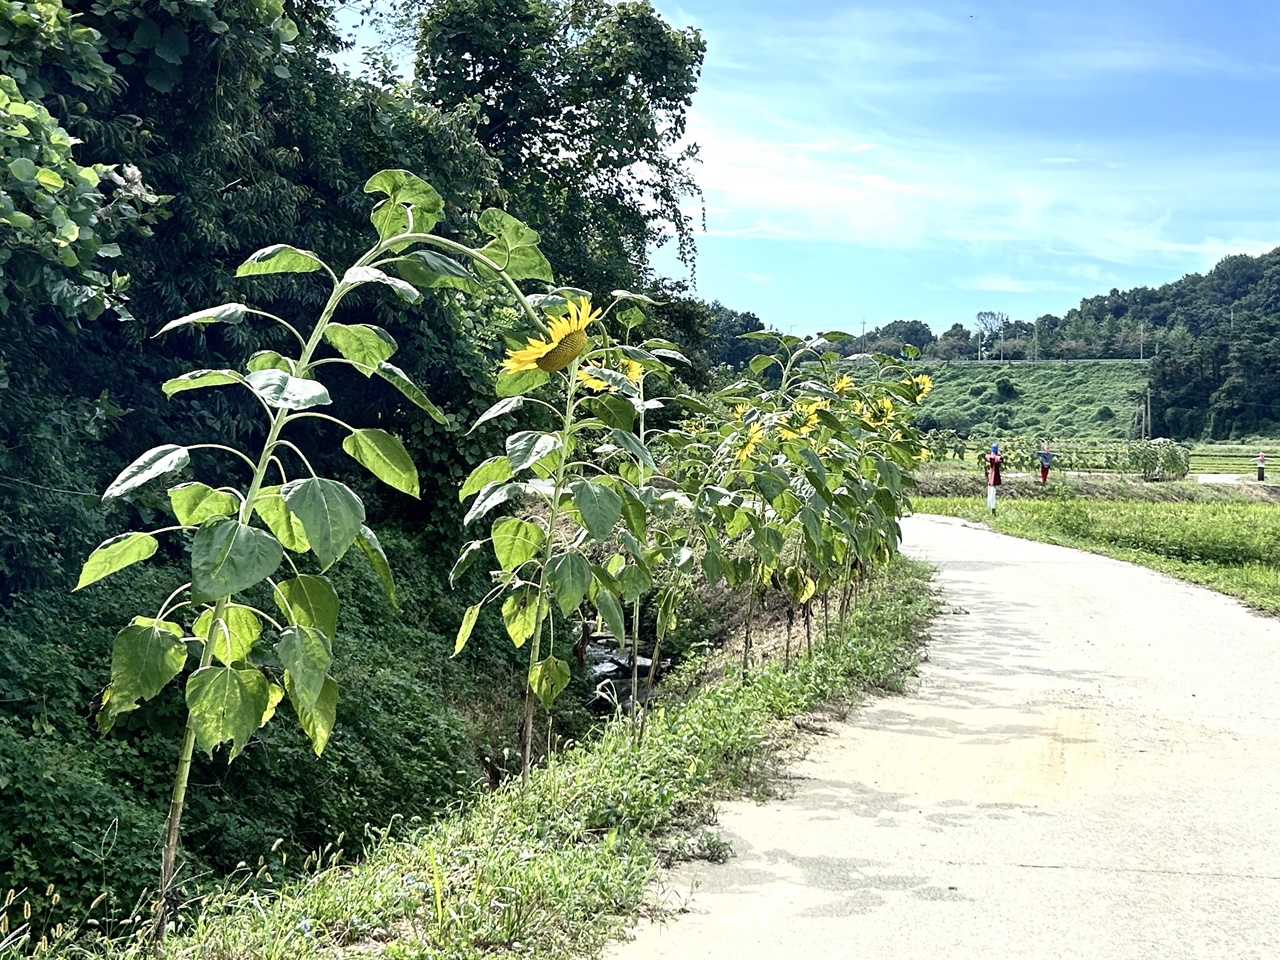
{"points": [[470, 552], [635, 514], [279, 258], [194, 503], [491, 496], [514, 247], [115, 554], [400, 380], [501, 408], [631, 443], [598, 506], [356, 276], [228, 556], [385, 457], [361, 343], [270, 360], [614, 410], [494, 470], [516, 384], [428, 269], [309, 601], [226, 704], [368, 543], [146, 655], [233, 635], [304, 653], [317, 720], [198, 379], [156, 462], [279, 389], [520, 614], [611, 612], [330, 513], [570, 577], [464, 629], [547, 679], [516, 541], [403, 187], [280, 520], [529, 446], [225, 313]]}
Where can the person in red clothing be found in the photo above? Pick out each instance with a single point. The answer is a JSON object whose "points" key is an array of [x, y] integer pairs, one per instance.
{"points": [[993, 460]]}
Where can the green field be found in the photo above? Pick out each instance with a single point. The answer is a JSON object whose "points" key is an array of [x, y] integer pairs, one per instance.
{"points": [[1232, 547], [1234, 458], [1078, 400]]}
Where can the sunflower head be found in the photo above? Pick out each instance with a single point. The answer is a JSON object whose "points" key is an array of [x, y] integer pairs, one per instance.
{"points": [[924, 383], [842, 385], [755, 433], [740, 410], [568, 339], [633, 370]]}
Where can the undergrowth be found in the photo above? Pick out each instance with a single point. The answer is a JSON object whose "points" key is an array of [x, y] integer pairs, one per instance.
{"points": [[556, 870]]}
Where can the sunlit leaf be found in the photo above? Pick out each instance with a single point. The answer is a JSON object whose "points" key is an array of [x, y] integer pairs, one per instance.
{"points": [[115, 554]]}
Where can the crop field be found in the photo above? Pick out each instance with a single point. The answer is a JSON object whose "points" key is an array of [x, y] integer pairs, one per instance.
{"points": [[1236, 458], [1233, 547]]}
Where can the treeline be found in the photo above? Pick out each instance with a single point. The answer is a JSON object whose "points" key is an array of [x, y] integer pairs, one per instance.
{"points": [[146, 148], [1213, 339]]}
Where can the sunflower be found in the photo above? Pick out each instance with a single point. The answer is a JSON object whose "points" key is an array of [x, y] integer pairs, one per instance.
{"points": [[843, 384], [803, 418], [568, 339], [880, 413], [633, 370], [924, 383], [755, 433], [741, 410]]}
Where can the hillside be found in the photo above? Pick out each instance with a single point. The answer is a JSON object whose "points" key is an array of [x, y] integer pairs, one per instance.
{"points": [[1078, 400]]}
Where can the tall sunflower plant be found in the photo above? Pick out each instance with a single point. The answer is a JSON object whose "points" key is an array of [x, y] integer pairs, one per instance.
{"points": [[578, 496]]}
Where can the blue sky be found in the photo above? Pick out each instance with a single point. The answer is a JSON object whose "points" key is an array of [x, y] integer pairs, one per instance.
{"points": [[865, 162]]}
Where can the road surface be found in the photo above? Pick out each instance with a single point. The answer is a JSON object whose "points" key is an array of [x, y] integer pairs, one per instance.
{"points": [[1090, 768]]}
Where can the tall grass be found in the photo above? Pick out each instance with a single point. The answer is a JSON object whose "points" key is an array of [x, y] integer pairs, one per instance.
{"points": [[557, 870], [1232, 547]]}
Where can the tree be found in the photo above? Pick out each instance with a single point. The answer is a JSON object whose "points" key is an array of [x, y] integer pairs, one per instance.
{"points": [[582, 102], [991, 324], [955, 343]]}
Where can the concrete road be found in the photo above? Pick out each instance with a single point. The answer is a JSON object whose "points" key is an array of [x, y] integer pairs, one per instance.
{"points": [[1090, 768]]}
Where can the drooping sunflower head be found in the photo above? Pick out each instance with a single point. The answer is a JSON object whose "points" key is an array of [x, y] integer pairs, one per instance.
{"points": [[803, 418], [740, 410], [633, 370], [843, 384], [755, 433], [924, 383], [568, 339]]}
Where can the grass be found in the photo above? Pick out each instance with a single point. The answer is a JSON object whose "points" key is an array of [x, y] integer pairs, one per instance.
{"points": [[1231, 546], [1081, 400], [560, 869], [1231, 458]]}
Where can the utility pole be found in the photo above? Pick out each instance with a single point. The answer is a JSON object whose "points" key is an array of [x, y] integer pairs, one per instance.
{"points": [[862, 348], [1142, 340], [1148, 417]]}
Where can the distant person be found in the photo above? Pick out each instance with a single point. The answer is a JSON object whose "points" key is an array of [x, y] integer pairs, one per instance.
{"points": [[1045, 457], [993, 460], [1261, 461]]}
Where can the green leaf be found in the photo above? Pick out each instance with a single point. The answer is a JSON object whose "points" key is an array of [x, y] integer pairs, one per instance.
{"points": [[385, 457], [304, 653], [547, 679], [156, 462], [761, 363], [309, 601], [361, 343], [599, 507], [400, 380], [115, 554], [146, 655], [233, 636], [614, 410], [516, 541], [635, 581], [504, 406], [194, 503], [368, 543], [611, 612], [330, 513], [228, 556], [318, 719], [198, 379], [491, 495], [23, 169], [470, 551], [493, 470], [427, 269], [464, 629], [270, 360], [529, 446], [390, 219], [226, 704], [514, 248], [223, 313], [356, 276], [403, 187], [635, 515], [280, 258], [520, 615], [515, 384], [570, 578], [629, 442], [279, 389], [280, 520]]}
